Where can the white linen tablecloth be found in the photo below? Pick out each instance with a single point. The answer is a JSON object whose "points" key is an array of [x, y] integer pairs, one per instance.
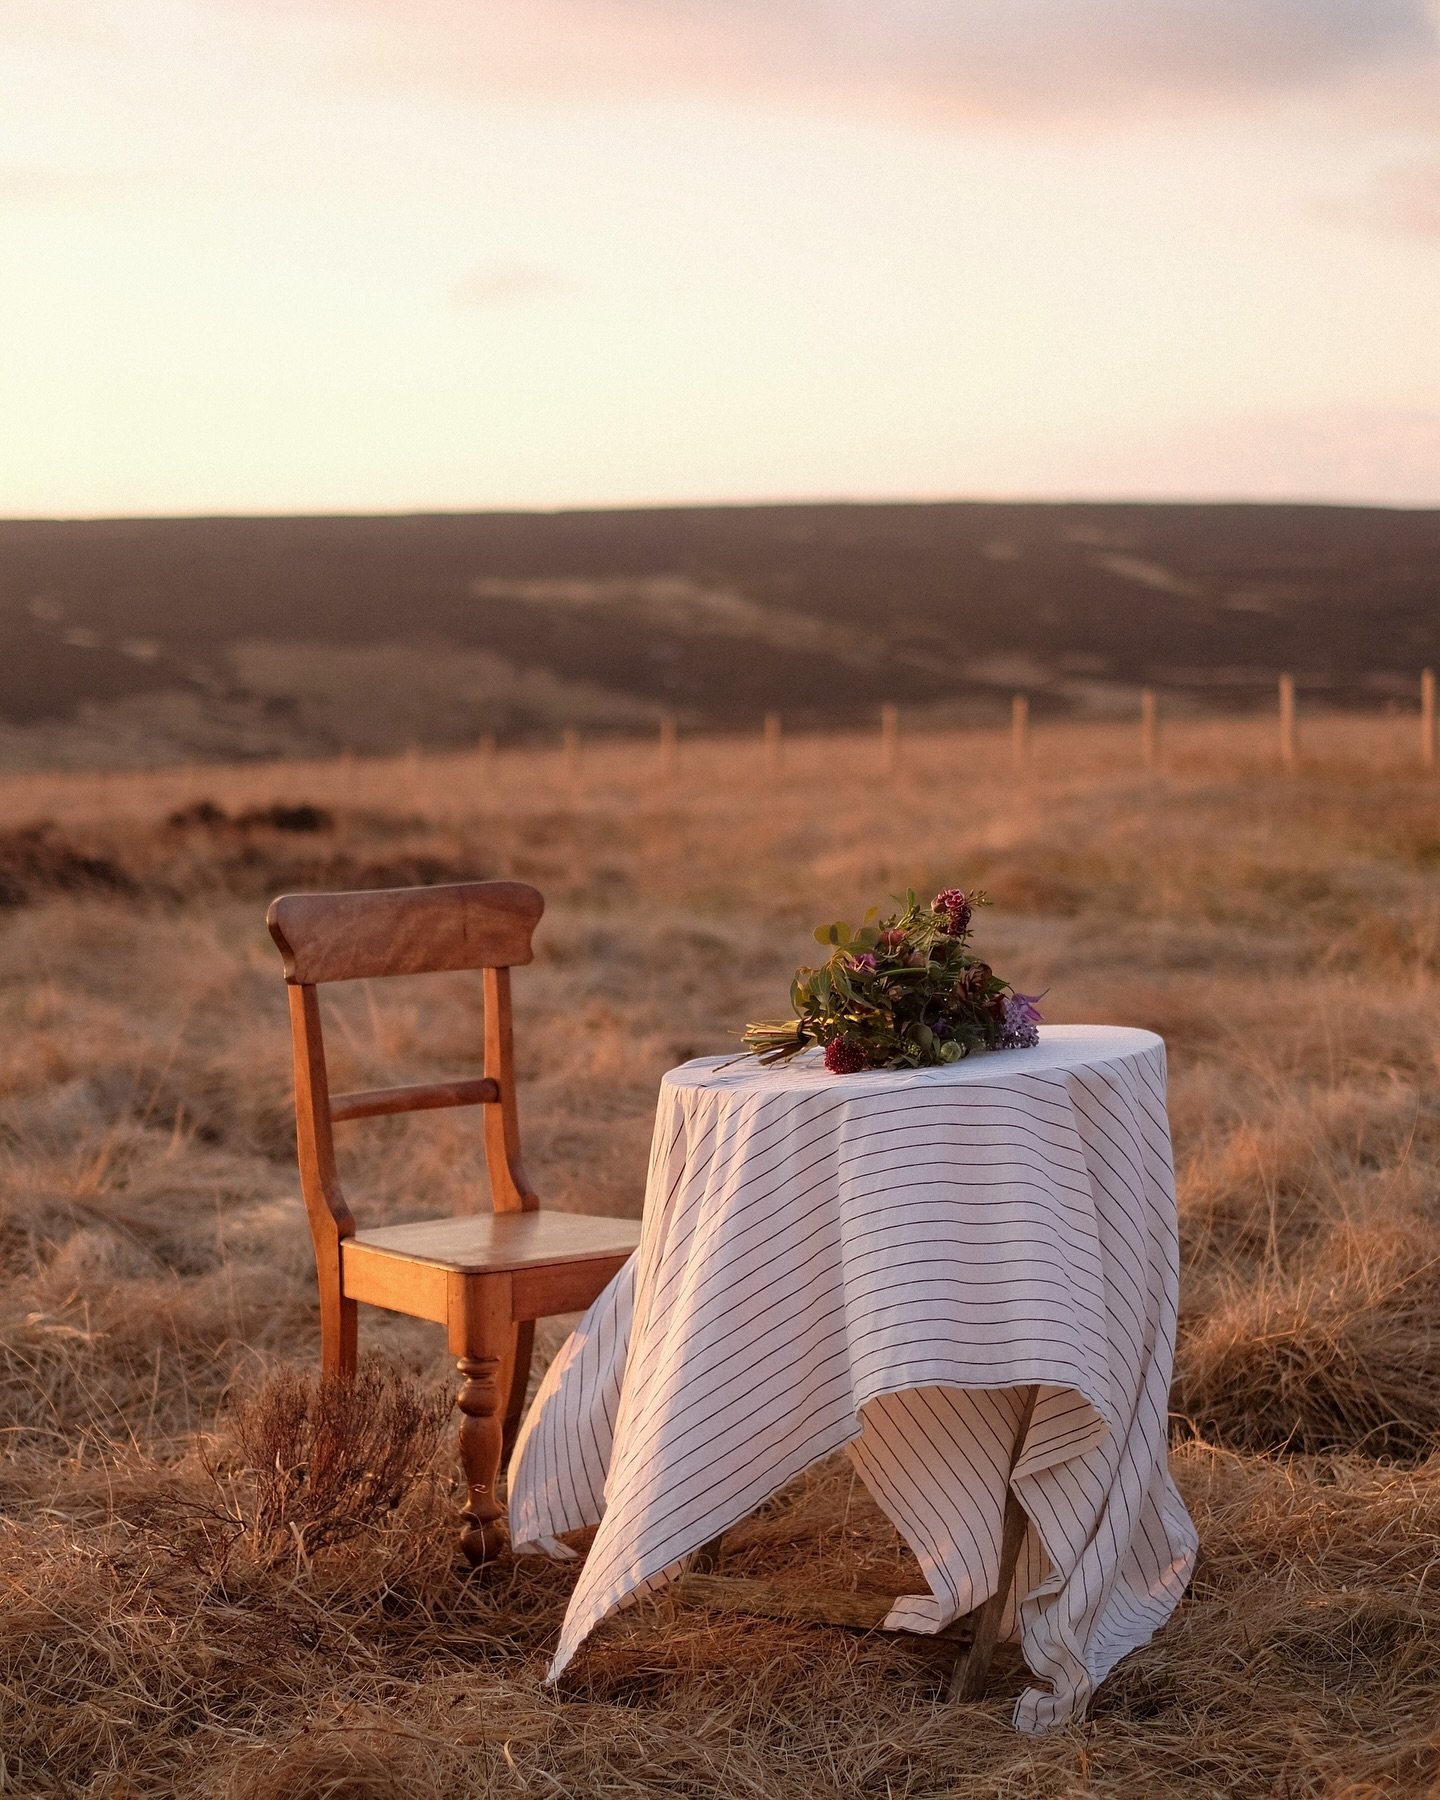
{"points": [[880, 1262]]}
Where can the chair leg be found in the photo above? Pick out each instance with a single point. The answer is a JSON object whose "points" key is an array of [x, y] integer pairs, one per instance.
{"points": [[971, 1673], [483, 1336], [338, 1327], [519, 1381]]}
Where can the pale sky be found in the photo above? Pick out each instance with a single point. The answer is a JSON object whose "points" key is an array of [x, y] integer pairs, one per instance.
{"points": [[350, 255]]}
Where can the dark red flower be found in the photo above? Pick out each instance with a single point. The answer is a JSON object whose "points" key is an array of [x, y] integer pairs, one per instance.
{"points": [[953, 905], [845, 1056]]}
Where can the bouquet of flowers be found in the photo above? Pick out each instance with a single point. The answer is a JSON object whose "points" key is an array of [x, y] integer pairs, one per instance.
{"points": [[901, 993]]}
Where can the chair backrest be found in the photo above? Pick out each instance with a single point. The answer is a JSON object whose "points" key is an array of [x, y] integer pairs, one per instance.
{"points": [[405, 931], [485, 925]]}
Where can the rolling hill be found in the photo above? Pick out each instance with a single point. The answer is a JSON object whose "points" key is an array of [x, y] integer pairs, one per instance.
{"points": [[140, 641]]}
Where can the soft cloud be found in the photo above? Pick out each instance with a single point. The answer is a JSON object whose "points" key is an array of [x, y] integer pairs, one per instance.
{"points": [[1010, 55], [1403, 201], [507, 284], [983, 59]]}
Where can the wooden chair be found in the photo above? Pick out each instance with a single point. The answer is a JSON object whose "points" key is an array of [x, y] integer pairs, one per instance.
{"points": [[486, 1276]]}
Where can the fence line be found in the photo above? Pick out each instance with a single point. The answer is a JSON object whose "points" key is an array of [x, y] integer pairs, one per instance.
{"points": [[1190, 742]]}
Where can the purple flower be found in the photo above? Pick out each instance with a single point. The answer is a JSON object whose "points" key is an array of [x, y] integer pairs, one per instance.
{"points": [[865, 962], [1021, 1016]]}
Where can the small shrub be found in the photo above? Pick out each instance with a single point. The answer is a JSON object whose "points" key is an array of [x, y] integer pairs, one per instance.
{"points": [[203, 813], [279, 817], [206, 815], [35, 861], [328, 1459]]}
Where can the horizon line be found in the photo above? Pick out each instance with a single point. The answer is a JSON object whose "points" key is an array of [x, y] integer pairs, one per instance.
{"points": [[215, 515]]}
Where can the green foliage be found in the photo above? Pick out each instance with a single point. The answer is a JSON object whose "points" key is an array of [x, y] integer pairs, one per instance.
{"points": [[903, 992]]}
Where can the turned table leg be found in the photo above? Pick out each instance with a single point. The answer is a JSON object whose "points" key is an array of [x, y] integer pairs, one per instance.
{"points": [[482, 1335], [706, 1559], [972, 1671]]}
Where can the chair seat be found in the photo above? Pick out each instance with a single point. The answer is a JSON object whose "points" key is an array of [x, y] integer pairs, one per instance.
{"points": [[489, 1243], [551, 1262]]}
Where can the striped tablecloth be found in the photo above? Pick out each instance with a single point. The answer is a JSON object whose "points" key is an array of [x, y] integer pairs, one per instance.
{"points": [[878, 1262]]}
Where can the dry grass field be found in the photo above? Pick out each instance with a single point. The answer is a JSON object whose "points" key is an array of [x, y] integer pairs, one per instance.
{"points": [[178, 1617]]}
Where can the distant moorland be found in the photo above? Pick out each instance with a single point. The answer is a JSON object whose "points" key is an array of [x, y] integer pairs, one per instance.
{"points": [[132, 642]]}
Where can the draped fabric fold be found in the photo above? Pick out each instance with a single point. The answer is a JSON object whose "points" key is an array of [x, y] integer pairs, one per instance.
{"points": [[880, 1263]]}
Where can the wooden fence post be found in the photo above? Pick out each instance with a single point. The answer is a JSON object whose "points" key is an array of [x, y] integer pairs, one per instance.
{"points": [[410, 764], [1427, 718], [772, 743], [1020, 731], [889, 738], [1149, 731], [1287, 722], [669, 744]]}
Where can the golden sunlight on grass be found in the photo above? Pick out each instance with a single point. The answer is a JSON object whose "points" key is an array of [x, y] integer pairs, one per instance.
{"points": [[179, 1620]]}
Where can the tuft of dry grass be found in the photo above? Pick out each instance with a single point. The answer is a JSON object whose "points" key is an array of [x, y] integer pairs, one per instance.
{"points": [[219, 1576], [1338, 1357]]}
